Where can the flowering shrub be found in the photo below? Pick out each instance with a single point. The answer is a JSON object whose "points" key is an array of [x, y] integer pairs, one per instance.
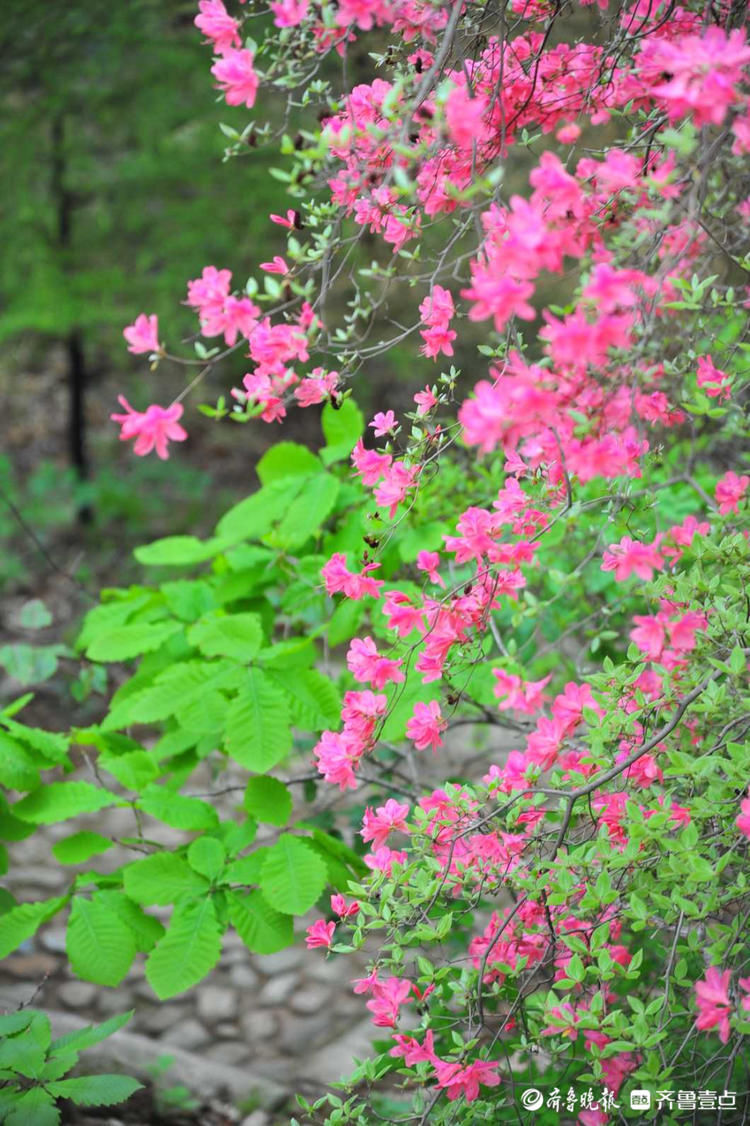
{"points": [[549, 552]]}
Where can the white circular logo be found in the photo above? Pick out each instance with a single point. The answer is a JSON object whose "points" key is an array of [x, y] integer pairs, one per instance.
{"points": [[532, 1099]]}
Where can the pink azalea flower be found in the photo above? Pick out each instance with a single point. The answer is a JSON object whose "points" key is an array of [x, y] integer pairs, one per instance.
{"points": [[342, 908], [429, 561], [383, 859], [729, 491], [743, 820], [217, 25], [426, 725], [289, 220], [712, 1000], [143, 335], [277, 266], [388, 997], [235, 75], [320, 934], [367, 666], [629, 557], [383, 423], [386, 819], [425, 401], [714, 382], [152, 429], [460, 1081], [339, 579]]}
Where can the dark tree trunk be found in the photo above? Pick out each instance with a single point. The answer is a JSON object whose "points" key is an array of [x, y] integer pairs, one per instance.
{"points": [[74, 342]]}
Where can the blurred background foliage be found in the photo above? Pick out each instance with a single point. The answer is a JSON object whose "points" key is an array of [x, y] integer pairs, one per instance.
{"points": [[114, 192]]}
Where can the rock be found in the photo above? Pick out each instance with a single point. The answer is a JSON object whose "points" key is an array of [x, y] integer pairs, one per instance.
{"points": [[227, 1030], [186, 1034], [310, 999], [77, 994], [259, 1027], [300, 1034], [158, 1018], [53, 939], [216, 1003], [336, 1059], [230, 1051], [243, 976], [277, 989], [113, 1001], [282, 960], [126, 1053], [257, 1118], [30, 966]]}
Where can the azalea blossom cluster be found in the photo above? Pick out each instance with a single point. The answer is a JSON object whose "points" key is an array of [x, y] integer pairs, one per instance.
{"points": [[585, 792]]}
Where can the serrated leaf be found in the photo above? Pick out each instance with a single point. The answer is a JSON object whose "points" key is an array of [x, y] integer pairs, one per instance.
{"points": [[315, 701], [268, 800], [177, 810], [292, 876], [253, 516], [80, 847], [34, 1108], [131, 640], [59, 801], [178, 687], [100, 947], [235, 635], [257, 724], [189, 950], [51, 744], [95, 1090], [18, 771], [307, 513], [206, 855], [146, 929], [93, 1034], [263, 930], [161, 879], [133, 771], [11, 1023]]}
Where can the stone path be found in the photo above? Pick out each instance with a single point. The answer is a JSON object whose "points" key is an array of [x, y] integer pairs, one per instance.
{"points": [[290, 1017]]}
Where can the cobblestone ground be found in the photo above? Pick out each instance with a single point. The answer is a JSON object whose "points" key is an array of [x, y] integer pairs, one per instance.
{"points": [[288, 1017]]}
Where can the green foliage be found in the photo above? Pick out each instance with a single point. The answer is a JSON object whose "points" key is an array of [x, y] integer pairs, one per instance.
{"points": [[34, 1067], [221, 673]]}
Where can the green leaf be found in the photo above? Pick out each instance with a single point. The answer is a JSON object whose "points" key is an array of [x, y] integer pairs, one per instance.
{"points": [[34, 1108], [263, 930], [95, 1090], [34, 615], [18, 771], [51, 744], [21, 922], [80, 847], [161, 879], [177, 810], [101, 948], [253, 516], [179, 687], [206, 855], [178, 551], [342, 427], [268, 800], [130, 641], [59, 801], [286, 459], [315, 700], [10, 1023], [146, 929], [307, 513], [189, 950], [236, 635], [91, 1035], [257, 724], [292, 876], [133, 771], [188, 599]]}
